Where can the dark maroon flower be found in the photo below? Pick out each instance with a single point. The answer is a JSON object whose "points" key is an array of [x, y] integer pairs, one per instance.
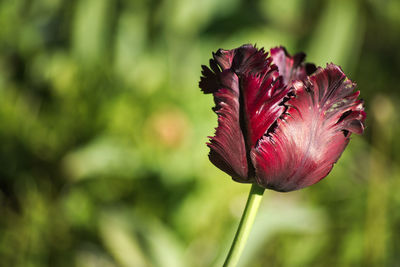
{"points": [[282, 123]]}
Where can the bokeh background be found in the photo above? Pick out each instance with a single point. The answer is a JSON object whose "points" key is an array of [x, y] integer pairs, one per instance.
{"points": [[103, 127]]}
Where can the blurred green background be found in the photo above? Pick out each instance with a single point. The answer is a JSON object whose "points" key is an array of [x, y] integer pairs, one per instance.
{"points": [[103, 127]]}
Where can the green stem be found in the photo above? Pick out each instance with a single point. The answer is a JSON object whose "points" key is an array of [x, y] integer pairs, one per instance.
{"points": [[243, 231]]}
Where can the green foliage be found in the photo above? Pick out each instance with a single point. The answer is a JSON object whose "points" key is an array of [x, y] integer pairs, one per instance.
{"points": [[102, 155]]}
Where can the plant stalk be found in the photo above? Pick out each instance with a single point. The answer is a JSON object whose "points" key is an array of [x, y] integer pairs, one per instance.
{"points": [[245, 225]]}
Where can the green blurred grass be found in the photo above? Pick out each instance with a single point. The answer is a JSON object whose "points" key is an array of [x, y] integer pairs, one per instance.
{"points": [[103, 161]]}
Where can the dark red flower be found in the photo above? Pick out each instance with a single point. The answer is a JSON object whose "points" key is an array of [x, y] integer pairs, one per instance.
{"points": [[282, 123]]}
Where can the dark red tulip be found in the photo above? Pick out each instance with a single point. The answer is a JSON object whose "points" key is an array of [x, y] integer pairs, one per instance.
{"points": [[282, 123]]}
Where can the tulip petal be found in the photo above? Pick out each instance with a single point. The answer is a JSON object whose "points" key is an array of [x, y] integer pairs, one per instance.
{"points": [[224, 58], [227, 148], [261, 92], [312, 134], [262, 97], [210, 81], [248, 92], [245, 59], [250, 60], [291, 67]]}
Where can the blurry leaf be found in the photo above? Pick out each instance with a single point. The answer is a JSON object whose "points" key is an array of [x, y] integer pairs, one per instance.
{"points": [[103, 156], [92, 258], [92, 22], [387, 10], [78, 207], [188, 16], [60, 70], [266, 37], [302, 249], [216, 199], [339, 34], [164, 246], [130, 41], [147, 73], [123, 118], [121, 242], [140, 240], [352, 252], [274, 10]]}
